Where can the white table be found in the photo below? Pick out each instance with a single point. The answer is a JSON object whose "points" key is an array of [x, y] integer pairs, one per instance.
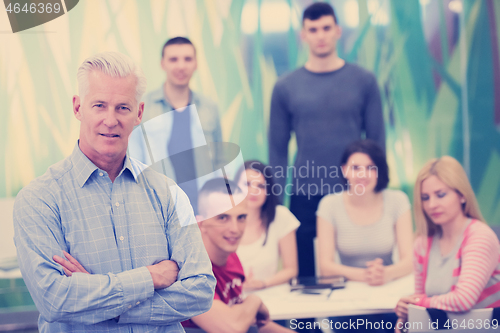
{"points": [[355, 299]]}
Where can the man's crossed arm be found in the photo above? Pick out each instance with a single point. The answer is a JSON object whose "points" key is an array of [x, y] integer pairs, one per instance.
{"points": [[159, 294], [164, 273]]}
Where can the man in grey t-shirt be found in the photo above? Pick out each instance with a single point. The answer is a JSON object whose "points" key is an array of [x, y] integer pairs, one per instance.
{"points": [[328, 103]]}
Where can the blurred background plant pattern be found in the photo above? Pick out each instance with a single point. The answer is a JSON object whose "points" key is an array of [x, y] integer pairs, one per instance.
{"points": [[437, 64]]}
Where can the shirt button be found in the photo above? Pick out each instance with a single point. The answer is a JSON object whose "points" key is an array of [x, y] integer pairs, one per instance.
{"points": [[117, 204], [101, 174], [137, 303], [122, 238]]}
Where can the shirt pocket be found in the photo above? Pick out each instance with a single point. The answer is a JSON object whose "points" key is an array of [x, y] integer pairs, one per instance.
{"points": [[149, 241]]}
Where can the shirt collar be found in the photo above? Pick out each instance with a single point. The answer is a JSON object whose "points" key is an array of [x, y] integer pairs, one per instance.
{"points": [[84, 167], [134, 168], [158, 96]]}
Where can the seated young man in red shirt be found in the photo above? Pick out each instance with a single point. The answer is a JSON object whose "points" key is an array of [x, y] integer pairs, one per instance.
{"points": [[223, 210]]}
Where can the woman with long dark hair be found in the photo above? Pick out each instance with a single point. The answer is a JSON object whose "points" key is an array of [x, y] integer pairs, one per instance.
{"points": [[270, 231]]}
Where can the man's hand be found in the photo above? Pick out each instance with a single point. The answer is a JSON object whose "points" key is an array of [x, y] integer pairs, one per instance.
{"points": [[164, 273], [402, 306], [262, 317], [71, 265], [376, 273]]}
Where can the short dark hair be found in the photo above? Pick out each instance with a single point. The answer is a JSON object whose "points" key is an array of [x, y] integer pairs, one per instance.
{"points": [[376, 154], [220, 185], [318, 9], [176, 41], [268, 209]]}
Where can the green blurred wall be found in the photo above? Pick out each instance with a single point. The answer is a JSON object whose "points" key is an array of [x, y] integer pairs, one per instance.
{"points": [[416, 54]]}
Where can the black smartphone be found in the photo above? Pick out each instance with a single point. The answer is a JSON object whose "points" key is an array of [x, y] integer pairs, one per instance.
{"points": [[322, 282]]}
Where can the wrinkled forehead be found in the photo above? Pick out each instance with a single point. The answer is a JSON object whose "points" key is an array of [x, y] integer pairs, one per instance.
{"points": [[101, 84]]}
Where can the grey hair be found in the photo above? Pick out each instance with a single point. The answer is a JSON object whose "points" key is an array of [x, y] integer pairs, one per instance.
{"points": [[114, 64]]}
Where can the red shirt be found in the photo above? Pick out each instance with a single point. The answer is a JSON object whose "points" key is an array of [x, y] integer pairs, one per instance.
{"points": [[230, 279]]}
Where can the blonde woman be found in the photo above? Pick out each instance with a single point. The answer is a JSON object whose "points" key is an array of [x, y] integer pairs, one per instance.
{"points": [[456, 254]]}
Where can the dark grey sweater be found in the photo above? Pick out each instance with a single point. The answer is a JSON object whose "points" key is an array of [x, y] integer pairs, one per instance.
{"points": [[327, 111]]}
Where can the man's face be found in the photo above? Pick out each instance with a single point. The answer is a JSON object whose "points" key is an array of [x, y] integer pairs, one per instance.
{"points": [[179, 62], [222, 233], [108, 114], [321, 35]]}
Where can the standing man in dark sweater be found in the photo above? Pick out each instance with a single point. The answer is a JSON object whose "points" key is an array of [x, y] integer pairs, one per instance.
{"points": [[328, 103]]}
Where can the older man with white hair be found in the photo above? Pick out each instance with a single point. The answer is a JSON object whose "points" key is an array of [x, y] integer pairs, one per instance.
{"points": [[103, 243]]}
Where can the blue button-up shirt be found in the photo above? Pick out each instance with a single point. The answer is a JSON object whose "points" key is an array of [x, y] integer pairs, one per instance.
{"points": [[114, 229]]}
